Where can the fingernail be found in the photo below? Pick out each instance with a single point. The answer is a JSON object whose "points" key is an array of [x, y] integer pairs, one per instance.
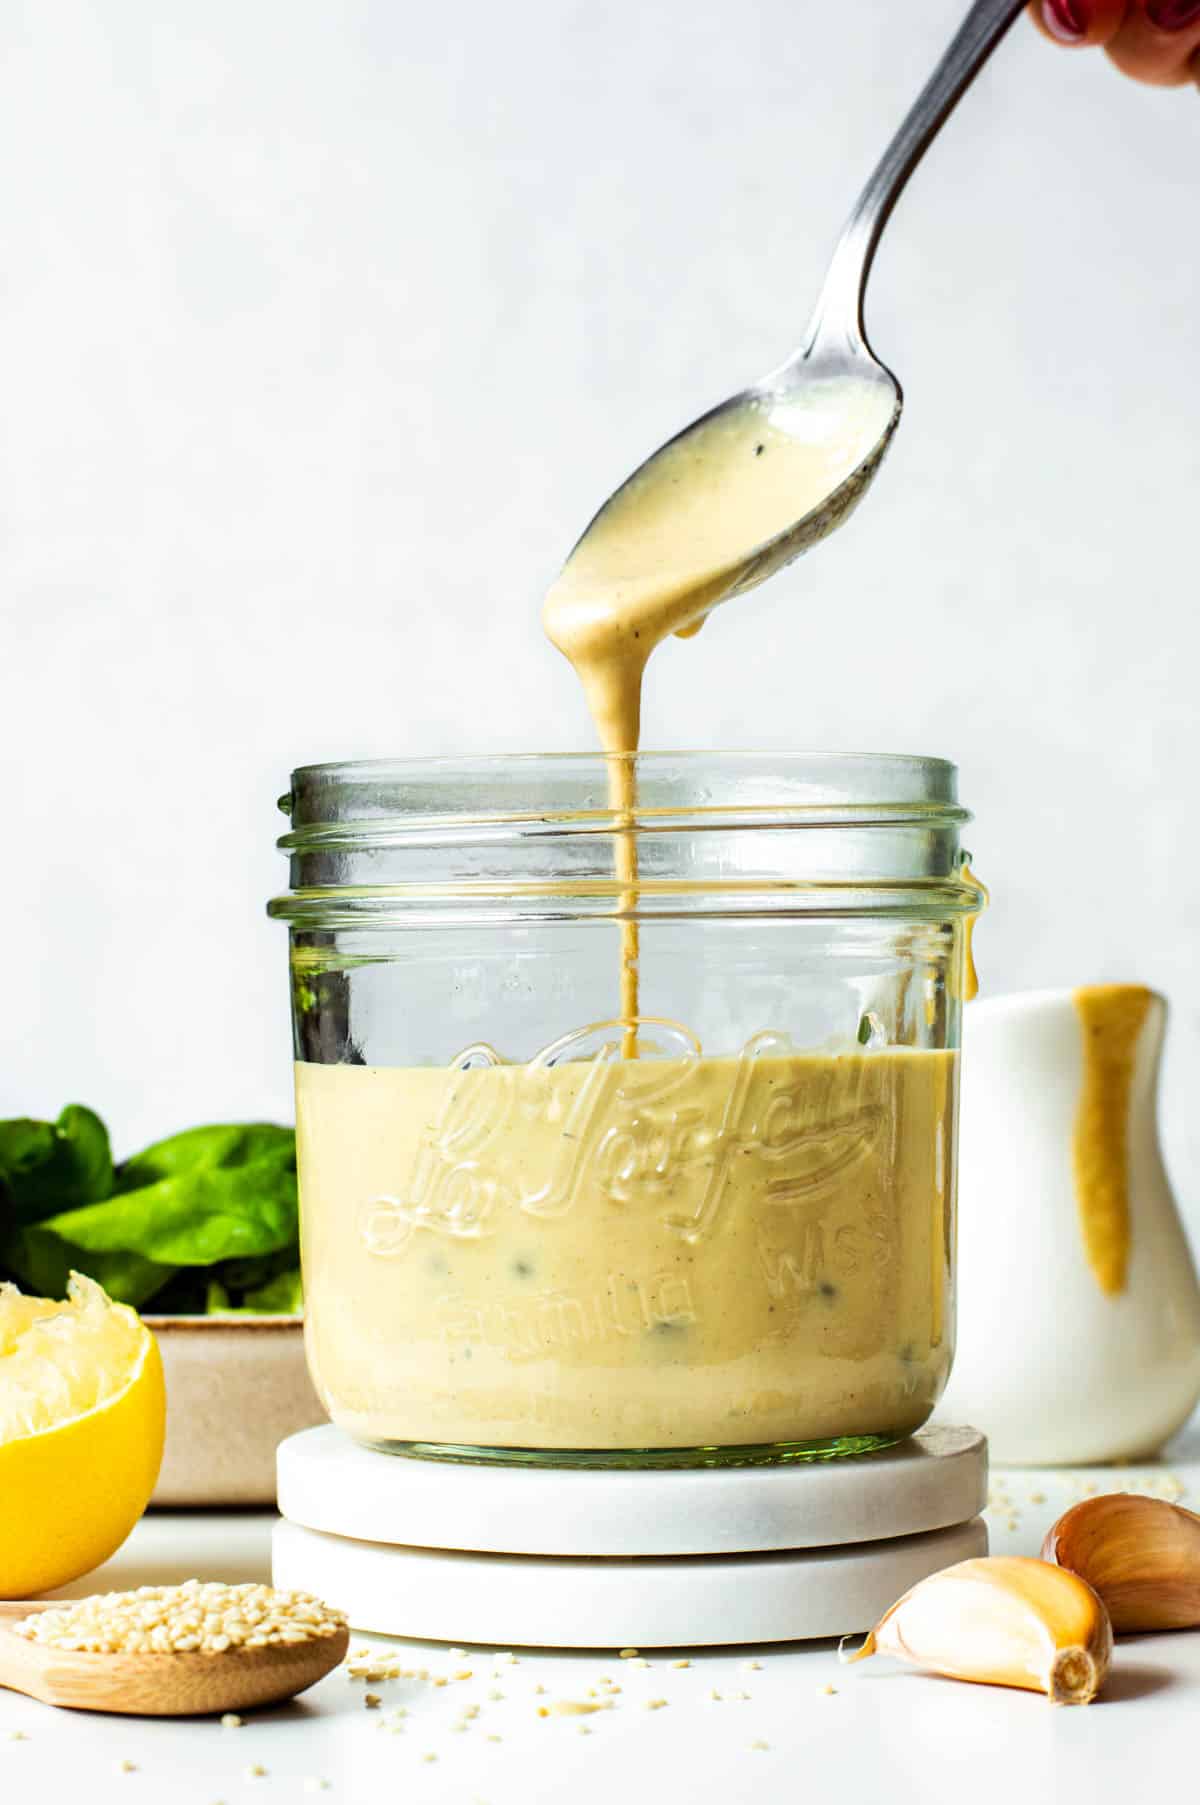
{"points": [[1173, 15], [1067, 20]]}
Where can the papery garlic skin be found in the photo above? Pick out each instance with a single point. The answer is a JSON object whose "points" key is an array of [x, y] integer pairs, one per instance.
{"points": [[1002, 1620], [1141, 1555]]}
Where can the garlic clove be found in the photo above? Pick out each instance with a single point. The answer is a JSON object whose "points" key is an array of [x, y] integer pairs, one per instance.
{"points": [[1002, 1620], [1141, 1555]]}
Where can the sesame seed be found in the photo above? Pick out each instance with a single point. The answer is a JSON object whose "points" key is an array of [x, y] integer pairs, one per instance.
{"points": [[627, 1654], [827, 1691], [680, 1663], [124, 1767], [465, 1673], [760, 1744], [231, 1721], [655, 1704], [372, 1701], [256, 1771], [194, 1617]]}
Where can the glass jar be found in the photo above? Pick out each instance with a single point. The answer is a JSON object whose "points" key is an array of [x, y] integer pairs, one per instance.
{"points": [[533, 1232]]}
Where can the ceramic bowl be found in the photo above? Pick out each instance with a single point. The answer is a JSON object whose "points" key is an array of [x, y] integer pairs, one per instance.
{"points": [[235, 1387]]}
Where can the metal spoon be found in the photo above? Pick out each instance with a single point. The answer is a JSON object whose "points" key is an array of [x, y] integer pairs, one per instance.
{"points": [[166, 1685], [834, 378]]}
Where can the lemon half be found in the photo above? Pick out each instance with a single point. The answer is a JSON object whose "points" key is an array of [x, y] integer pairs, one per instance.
{"points": [[82, 1420]]}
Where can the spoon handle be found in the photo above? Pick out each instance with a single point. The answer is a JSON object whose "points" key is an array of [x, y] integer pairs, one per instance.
{"points": [[839, 308]]}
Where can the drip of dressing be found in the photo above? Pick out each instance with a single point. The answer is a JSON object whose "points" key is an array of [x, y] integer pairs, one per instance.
{"points": [[1111, 1017], [970, 971], [683, 534]]}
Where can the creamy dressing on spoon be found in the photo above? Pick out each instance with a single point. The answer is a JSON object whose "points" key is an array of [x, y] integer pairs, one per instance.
{"points": [[683, 534]]}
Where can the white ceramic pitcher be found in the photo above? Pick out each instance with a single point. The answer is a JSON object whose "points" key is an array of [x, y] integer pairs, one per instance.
{"points": [[1066, 1355]]}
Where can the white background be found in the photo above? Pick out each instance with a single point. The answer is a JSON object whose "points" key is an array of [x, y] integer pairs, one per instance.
{"points": [[326, 327]]}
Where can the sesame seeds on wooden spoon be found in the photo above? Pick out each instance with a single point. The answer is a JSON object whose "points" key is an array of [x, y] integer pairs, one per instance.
{"points": [[177, 1651]]}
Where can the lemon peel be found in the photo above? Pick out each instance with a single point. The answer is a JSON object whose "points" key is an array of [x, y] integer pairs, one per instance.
{"points": [[82, 1422]]}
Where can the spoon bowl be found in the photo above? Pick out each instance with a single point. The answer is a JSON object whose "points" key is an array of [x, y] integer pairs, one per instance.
{"points": [[162, 1685]]}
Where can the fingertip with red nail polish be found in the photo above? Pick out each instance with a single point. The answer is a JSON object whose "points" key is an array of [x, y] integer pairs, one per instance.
{"points": [[1068, 20], [1173, 15]]}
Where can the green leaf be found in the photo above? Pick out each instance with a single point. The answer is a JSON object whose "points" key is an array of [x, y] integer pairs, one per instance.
{"points": [[249, 1275], [47, 1167], [42, 1262], [283, 1296], [206, 1195]]}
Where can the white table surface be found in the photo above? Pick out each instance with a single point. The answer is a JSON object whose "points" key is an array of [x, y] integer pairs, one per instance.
{"points": [[885, 1736]]}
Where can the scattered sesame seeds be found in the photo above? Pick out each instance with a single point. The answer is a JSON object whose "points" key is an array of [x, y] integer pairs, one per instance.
{"points": [[372, 1701], [194, 1617], [827, 1691], [714, 1694], [1037, 1497], [569, 1707], [655, 1704], [231, 1721], [752, 1666], [464, 1673], [125, 1766], [680, 1663], [760, 1744], [256, 1771], [628, 1654], [639, 1661]]}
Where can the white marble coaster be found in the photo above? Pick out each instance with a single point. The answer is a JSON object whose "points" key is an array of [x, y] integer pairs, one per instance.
{"points": [[697, 1601], [328, 1482]]}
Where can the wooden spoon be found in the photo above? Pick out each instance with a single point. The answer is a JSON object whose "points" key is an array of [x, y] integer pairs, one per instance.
{"points": [[172, 1685]]}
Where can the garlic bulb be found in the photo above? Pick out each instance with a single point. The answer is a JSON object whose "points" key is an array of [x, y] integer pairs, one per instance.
{"points": [[1142, 1555], [1002, 1621]]}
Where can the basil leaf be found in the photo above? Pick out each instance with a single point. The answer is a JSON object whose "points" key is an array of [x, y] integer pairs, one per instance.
{"points": [[206, 1195], [282, 1296], [42, 1262], [46, 1167]]}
